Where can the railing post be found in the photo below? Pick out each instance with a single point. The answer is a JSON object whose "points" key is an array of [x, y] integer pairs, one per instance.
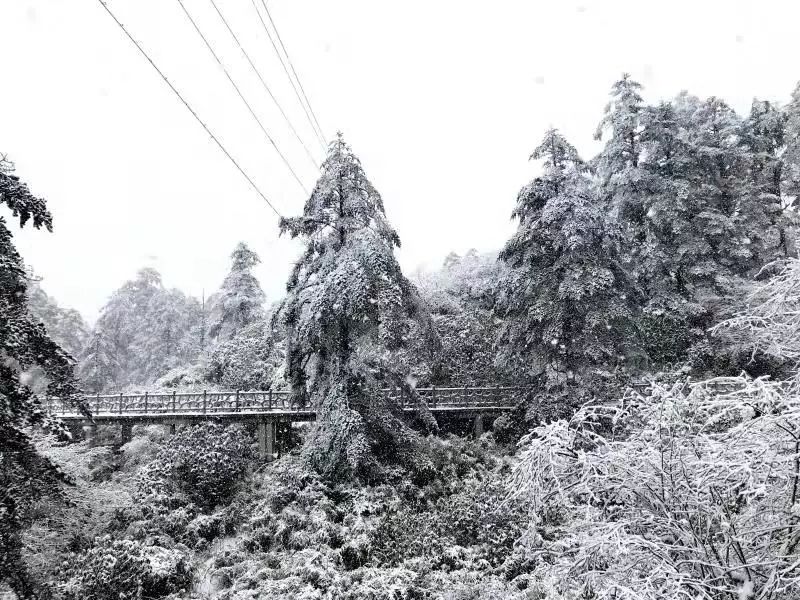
{"points": [[205, 401], [269, 400], [145, 403], [433, 396], [120, 403], [173, 400], [497, 395], [97, 403], [466, 403], [237, 400]]}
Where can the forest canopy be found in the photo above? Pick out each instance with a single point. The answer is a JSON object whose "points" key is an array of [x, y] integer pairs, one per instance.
{"points": [[645, 310]]}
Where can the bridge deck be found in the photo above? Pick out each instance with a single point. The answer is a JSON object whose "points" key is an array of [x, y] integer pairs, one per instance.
{"points": [[273, 404]]}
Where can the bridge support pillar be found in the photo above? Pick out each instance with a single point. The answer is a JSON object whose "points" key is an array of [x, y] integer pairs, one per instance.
{"points": [[171, 428], [266, 439], [127, 432], [89, 431], [477, 426], [76, 430]]}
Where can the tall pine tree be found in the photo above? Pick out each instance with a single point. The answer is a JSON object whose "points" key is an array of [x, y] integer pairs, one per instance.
{"points": [[346, 312], [240, 300], [568, 301]]}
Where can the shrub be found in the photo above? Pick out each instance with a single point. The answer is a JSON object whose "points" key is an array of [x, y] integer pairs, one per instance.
{"points": [[124, 570], [689, 491], [205, 462]]}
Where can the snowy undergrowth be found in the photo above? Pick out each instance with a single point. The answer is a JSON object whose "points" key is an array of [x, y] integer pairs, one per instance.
{"points": [[301, 537]]}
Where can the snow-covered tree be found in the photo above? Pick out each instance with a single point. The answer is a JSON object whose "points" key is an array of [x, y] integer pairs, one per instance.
{"points": [[568, 302], [253, 359], [240, 299], [346, 312], [695, 191], [791, 158], [65, 326], [98, 368], [147, 329], [460, 298], [120, 318], [618, 164], [25, 476], [688, 490]]}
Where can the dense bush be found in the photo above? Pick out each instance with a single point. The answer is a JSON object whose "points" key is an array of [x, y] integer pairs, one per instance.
{"points": [[124, 570], [251, 360], [205, 462], [687, 491]]}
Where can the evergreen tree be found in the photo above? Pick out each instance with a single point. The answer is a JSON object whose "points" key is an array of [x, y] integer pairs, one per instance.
{"points": [[617, 165], [98, 368], [147, 329], [790, 175], [568, 301], [240, 300], [761, 211], [251, 360], [695, 191], [346, 314], [25, 476], [65, 326]]}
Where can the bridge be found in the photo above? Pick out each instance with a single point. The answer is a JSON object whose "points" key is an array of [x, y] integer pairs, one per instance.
{"points": [[269, 408]]}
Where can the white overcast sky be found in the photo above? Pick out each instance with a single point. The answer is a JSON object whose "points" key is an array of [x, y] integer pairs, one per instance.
{"points": [[443, 101]]}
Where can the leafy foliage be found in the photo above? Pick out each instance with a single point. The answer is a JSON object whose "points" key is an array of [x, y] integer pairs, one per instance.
{"points": [[205, 462], [144, 330], [25, 475], [253, 359], [689, 489], [124, 569]]}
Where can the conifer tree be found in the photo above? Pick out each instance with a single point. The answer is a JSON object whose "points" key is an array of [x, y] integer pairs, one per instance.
{"points": [[147, 329], [98, 368], [761, 211], [618, 164], [240, 300], [346, 313], [790, 175], [568, 301], [25, 476], [64, 325]]}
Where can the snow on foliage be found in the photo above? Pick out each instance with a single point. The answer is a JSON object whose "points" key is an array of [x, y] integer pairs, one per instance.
{"points": [[25, 475], [240, 300], [688, 490], [144, 330], [567, 302], [346, 312]]}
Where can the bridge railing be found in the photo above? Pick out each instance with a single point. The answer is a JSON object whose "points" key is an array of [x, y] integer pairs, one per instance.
{"points": [[147, 403], [280, 401]]}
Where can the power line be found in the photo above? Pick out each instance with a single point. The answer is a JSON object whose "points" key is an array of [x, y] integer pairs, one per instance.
{"points": [[320, 138], [189, 108], [264, 84], [241, 96], [312, 119]]}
